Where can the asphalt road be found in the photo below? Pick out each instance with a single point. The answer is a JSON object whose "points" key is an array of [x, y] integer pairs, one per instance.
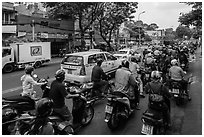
{"points": [[186, 119]]}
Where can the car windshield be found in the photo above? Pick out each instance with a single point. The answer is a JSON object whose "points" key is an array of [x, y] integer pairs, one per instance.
{"points": [[122, 52], [76, 60]]}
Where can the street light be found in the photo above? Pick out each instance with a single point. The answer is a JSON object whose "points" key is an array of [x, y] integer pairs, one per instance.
{"points": [[140, 14], [139, 27]]}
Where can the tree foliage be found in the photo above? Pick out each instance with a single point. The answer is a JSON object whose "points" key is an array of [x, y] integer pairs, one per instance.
{"points": [[85, 12], [194, 17], [112, 16], [182, 31]]}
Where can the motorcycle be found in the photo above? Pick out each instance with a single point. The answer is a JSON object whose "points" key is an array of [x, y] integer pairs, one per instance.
{"points": [[153, 122], [118, 108], [23, 104], [82, 111], [178, 92], [90, 91]]}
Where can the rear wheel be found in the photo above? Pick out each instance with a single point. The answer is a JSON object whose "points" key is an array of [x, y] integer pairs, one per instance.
{"points": [[114, 121], [37, 64]]}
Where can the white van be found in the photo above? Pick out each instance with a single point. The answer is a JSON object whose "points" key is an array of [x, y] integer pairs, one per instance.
{"points": [[78, 66]]}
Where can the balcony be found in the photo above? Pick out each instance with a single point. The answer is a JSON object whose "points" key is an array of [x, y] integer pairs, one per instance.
{"points": [[9, 29]]}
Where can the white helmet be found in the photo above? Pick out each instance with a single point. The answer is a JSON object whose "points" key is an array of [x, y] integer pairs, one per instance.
{"points": [[155, 75], [174, 62]]}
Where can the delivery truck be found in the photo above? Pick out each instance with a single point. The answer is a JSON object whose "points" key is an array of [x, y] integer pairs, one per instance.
{"points": [[18, 55]]}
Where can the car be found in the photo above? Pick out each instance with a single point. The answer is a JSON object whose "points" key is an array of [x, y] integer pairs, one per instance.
{"points": [[78, 66], [95, 50], [124, 53]]}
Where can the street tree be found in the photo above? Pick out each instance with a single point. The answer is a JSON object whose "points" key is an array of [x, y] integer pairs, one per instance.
{"points": [[112, 16], [182, 31], [193, 18], [84, 12]]}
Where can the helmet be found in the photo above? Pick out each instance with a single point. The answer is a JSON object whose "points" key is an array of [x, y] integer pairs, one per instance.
{"points": [[29, 69], [125, 63], [60, 74], [99, 61], [174, 62], [149, 55], [44, 107], [155, 75]]}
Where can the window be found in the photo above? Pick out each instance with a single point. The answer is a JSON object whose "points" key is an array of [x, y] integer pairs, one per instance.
{"points": [[6, 52], [110, 57], [76, 60], [100, 56], [92, 59]]}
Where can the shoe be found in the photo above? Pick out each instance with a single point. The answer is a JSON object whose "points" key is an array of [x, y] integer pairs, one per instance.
{"points": [[142, 95]]}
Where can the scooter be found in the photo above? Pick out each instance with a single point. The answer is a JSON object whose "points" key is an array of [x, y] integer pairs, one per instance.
{"points": [[118, 108], [23, 104], [82, 111], [153, 122], [90, 91]]}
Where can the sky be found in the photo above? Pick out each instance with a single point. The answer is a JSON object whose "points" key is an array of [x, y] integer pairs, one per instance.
{"points": [[164, 14]]}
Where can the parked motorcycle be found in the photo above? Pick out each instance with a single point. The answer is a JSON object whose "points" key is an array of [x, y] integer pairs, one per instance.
{"points": [[118, 108]]}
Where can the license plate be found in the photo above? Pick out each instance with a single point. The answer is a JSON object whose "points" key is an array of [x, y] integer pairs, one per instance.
{"points": [[109, 109], [175, 91], [62, 126], [69, 71], [147, 129]]}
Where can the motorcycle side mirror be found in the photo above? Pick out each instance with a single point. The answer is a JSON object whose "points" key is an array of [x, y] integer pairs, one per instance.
{"points": [[35, 75]]}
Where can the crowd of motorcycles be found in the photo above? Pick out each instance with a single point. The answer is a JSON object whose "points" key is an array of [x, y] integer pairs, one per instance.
{"points": [[19, 117]]}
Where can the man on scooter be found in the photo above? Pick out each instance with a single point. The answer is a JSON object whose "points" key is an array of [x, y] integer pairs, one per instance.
{"points": [[126, 83], [176, 73], [158, 88], [58, 93]]}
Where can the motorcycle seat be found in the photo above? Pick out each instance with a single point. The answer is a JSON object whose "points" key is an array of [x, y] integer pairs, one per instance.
{"points": [[119, 94], [14, 99]]}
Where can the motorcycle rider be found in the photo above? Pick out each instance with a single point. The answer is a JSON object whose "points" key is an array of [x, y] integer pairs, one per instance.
{"points": [[126, 83], [96, 77], [135, 69], [41, 125], [176, 73], [183, 57], [58, 93], [28, 82], [158, 88]]}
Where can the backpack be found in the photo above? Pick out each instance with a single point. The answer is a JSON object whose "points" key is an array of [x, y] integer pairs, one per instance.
{"points": [[156, 100]]}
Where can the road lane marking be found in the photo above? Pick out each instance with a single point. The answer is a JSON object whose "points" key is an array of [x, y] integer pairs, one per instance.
{"points": [[19, 88]]}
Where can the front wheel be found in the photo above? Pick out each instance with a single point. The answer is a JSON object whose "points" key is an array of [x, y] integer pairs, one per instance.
{"points": [[8, 68], [88, 115]]}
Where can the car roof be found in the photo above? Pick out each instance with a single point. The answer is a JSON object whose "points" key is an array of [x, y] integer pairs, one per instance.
{"points": [[84, 53]]}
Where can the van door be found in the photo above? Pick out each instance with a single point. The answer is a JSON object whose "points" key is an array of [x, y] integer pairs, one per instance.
{"points": [[112, 63]]}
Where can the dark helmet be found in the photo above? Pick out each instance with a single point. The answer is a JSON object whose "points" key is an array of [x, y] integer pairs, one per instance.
{"points": [[44, 107], [29, 69], [125, 63], [60, 74], [99, 61]]}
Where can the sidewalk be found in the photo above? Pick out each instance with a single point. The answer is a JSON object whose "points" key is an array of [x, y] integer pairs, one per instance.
{"points": [[55, 60]]}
